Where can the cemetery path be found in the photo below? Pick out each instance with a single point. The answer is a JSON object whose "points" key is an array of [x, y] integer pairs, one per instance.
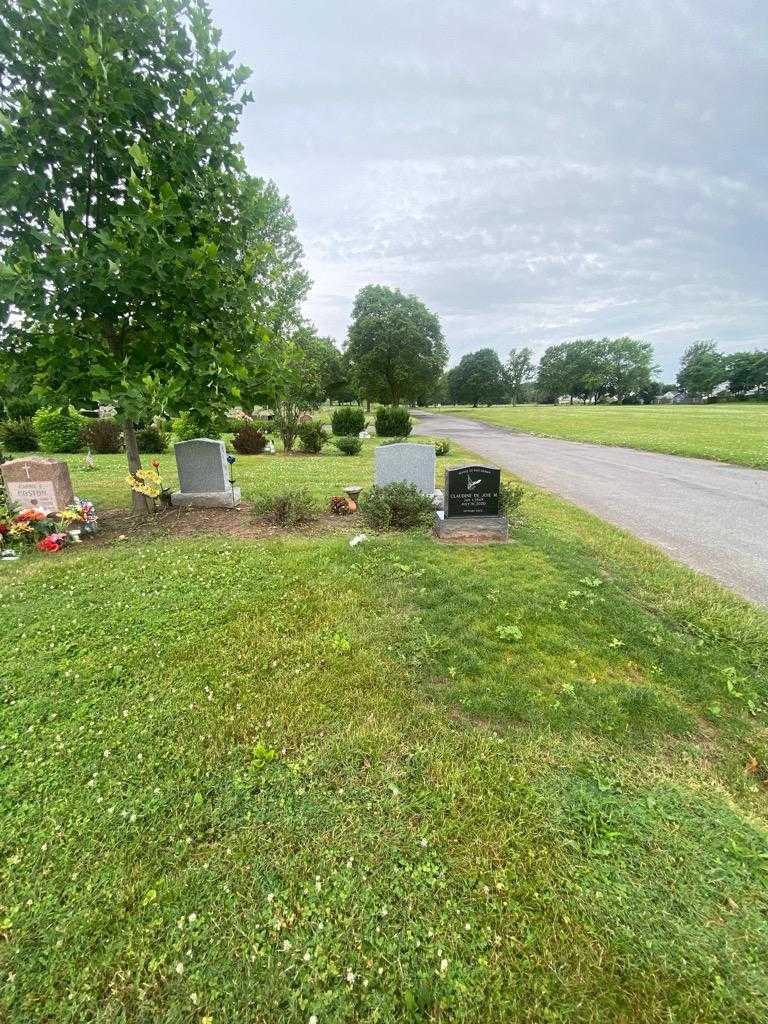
{"points": [[710, 515]]}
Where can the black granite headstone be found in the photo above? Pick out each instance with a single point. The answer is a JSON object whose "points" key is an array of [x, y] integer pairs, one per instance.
{"points": [[472, 491]]}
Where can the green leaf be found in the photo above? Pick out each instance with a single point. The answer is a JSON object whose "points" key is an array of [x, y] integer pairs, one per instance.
{"points": [[92, 57], [138, 155], [56, 221], [189, 96]]}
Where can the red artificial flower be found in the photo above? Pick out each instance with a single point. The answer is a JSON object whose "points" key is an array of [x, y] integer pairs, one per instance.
{"points": [[30, 515], [48, 544], [3, 529]]}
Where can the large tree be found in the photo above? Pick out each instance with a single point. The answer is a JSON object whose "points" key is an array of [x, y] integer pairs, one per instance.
{"points": [[629, 367], [478, 378], [395, 345], [578, 369], [702, 368], [137, 254], [520, 371], [747, 371]]}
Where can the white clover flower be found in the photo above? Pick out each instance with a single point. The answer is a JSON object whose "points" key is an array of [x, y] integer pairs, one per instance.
{"points": [[179, 968], [443, 965]]}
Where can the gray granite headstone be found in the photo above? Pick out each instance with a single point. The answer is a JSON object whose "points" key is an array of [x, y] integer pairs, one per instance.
{"points": [[407, 463], [203, 474]]}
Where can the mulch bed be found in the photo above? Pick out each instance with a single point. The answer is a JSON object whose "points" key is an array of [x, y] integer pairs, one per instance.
{"points": [[121, 524]]}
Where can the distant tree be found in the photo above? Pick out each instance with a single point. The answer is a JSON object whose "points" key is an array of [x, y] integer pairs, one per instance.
{"points": [[395, 345], [438, 394], [301, 388], [702, 368], [629, 366], [520, 371], [747, 371], [135, 249], [478, 379], [578, 369]]}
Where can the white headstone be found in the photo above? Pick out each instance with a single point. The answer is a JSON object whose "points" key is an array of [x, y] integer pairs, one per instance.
{"points": [[407, 463]]}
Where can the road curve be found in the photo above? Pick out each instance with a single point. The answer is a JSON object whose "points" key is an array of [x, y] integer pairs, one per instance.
{"points": [[710, 515]]}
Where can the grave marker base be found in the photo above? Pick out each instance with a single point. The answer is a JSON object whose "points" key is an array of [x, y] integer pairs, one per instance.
{"points": [[472, 529]]}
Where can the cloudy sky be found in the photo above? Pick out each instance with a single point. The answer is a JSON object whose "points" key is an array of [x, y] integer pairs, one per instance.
{"points": [[534, 170]]}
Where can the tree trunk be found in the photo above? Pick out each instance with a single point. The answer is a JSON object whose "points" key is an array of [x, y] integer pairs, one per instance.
{"points": [[142, 503]]}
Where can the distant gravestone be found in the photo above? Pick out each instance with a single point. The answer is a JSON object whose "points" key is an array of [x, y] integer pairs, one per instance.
{"points": [[203, 475], [472, 506], [44, 484], [405, 463]]}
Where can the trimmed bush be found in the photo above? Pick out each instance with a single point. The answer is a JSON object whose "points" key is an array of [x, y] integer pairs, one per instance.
{"points": [[393, 421], [312, 437], [57, 431], [347, 419], [249, 441], [186, 427], [291, 508], [351, 445], [19, 435], [397, 506], [103, 436], [152, 440], [510, 498]]}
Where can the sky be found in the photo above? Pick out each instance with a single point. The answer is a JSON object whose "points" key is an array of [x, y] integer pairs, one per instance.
{"points": [[534, 170]]}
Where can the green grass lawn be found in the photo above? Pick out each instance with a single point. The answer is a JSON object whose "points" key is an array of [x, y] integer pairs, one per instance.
{"points": [[286, 780], [736, 432]]}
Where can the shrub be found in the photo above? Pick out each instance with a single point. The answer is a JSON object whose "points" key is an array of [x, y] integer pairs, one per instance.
{"points": [[341, 506], [510, 498], [187, 426], [152, 440], [347, 419], [57, 430], [393, 421], [249, 441], [103, 436], [19, 435], [443, 446], [351, 445], [396, 506], [312, 437], [291, 508]]}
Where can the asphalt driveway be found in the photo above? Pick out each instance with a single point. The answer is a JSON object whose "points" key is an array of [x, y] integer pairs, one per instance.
{"points": [[709, 515]]}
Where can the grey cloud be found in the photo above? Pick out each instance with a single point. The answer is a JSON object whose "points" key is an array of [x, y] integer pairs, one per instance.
{"points": [[534, 170]]}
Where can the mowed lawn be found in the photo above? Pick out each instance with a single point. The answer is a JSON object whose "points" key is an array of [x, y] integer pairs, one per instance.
{"points": [[290, 780], [735, 432]]}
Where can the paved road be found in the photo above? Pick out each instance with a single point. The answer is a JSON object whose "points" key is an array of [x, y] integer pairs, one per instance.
{"points": [[710, 515]]}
